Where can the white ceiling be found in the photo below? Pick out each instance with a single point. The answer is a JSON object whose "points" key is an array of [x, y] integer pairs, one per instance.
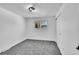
{"points": [[45, 9]]}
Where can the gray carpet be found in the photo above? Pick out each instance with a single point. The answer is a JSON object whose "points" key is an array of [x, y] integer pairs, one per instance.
{"points": [[34, 47]]}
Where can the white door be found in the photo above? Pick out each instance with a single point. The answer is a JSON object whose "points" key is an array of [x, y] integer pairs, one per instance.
{"points": [[68, 29]]}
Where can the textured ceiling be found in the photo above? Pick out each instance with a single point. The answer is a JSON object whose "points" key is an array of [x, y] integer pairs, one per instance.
{"points": [[44, 9]]}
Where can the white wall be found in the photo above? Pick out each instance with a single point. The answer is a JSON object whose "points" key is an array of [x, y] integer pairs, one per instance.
{"points": [[68, 29], [11, 29], [48, 33]]}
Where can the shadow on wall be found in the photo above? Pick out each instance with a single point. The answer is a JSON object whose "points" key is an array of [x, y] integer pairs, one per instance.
{"points": [[34, 47]]}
